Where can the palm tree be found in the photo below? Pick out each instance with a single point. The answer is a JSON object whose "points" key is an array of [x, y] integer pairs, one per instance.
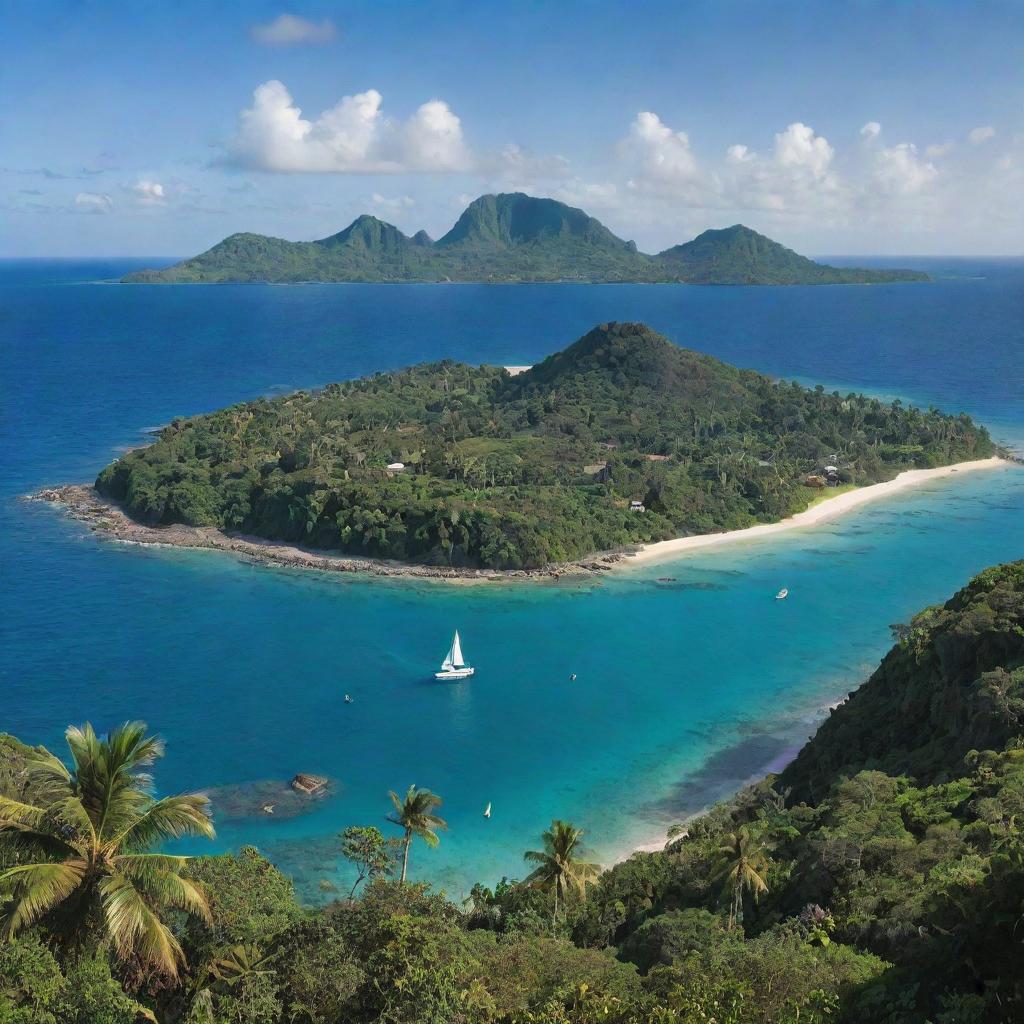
{"points": [[741, 865], [557, 867], [81, 847], [415, 814]]}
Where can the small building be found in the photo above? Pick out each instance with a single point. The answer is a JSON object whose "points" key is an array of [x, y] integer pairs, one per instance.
{"points": [[396, 467], [832, 475], [656, 458], [637, 506]]}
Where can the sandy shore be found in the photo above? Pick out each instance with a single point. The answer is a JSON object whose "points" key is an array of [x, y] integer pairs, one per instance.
{"points": [[829, 509]]}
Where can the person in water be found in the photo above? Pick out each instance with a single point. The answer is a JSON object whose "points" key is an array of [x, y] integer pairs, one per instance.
{"points": [[348, 699], [572, 678]]}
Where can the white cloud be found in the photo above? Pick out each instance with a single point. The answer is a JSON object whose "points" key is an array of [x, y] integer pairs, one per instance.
{"points": [[93, 202], [288, 30], [662, 155], [149, 192], [871, 130], [800, 148], [901, 170], [353, 137], [976, 136], [432, 139], [937, 149]]}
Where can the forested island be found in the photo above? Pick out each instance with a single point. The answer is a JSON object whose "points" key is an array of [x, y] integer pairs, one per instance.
{"points": [[879, 878], [621, 439], [510, 237]]}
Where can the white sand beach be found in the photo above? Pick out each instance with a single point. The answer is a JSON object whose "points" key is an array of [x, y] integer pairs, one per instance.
{"points": [[822, 512]]}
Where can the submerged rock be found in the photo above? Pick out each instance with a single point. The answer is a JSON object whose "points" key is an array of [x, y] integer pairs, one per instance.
{"points": [[269, 798], [311, 785]]}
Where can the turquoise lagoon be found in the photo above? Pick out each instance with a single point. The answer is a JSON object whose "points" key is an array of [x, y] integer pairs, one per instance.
{"points": [[691, 678]]}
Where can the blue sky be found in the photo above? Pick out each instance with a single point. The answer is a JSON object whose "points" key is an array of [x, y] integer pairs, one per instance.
{"points": [[860, 127]]}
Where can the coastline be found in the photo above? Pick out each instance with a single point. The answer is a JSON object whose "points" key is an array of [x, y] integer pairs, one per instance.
{"points": [[824, 511], [84, 504], [748, 760]]}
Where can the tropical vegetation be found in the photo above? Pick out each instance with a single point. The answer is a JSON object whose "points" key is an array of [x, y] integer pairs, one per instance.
{"points": [[509, 238], [879, 878], [622, 438]]}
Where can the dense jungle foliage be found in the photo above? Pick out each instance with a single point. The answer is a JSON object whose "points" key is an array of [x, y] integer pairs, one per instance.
{"points": [[523, 471], [892, 895], [509, 238]]}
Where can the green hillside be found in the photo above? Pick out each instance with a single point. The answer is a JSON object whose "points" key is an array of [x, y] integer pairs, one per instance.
{"points": [[525, 471], [738, 255], [506, 238]]}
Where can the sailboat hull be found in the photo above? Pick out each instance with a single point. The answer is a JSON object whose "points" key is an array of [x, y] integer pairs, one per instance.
{"points": [[454, 673]]}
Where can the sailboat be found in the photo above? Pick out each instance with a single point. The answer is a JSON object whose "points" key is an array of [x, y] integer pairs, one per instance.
{"points": [[454, 666], [487, 810]]}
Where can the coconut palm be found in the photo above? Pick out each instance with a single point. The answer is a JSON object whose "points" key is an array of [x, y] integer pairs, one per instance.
{"points": [[415, 815], [557, 866], [742, 864], [81, 845]]}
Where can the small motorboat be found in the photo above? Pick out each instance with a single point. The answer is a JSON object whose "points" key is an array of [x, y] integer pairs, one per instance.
{"points": [[454, 666], [487, 810], [348, 699], [782, 594]]}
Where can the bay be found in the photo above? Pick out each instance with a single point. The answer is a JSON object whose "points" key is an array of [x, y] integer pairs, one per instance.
{"points": [[690, 677]]}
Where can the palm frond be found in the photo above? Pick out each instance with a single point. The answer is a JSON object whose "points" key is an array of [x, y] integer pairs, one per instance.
{"points": [[169, 818], [37, 889], [14, 813], [38, 843], [48, 773], [71, 811], [135, 929], [157, 875]]}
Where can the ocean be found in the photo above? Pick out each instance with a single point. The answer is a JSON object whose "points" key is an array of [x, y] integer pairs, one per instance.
{"points": [[691, 678]]}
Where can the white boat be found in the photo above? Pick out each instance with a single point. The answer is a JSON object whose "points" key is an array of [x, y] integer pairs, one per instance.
{"points": [[454, 665], [782, 594], [487, 810]]}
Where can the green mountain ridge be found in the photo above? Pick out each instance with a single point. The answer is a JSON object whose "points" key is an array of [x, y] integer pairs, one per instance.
{"points": [[522, 472], [509, 237]]}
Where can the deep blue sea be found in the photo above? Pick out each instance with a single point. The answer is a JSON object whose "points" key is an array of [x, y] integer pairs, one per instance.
{"points": [[684, 689]]}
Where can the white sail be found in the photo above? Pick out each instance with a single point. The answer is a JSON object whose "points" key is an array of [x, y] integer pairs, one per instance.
{"points": [[455, 654], [454, 665]]}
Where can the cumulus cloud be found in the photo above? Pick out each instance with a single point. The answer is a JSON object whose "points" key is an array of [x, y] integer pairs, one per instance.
{"points": [[800, 148], [662, 154], [288, 30], [871, 130], [93, 202], [353, 137], [151, 193], [937, 149], [976, 136]]}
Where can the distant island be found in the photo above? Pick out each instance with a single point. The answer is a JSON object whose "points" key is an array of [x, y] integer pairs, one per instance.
{"points": [[509, 238], [621, 439]]}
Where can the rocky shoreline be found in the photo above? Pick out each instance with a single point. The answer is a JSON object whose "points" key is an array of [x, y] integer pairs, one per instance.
{"points": [[83, 503]]}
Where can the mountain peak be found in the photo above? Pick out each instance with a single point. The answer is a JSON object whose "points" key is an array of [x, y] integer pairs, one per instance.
{"points": [[367, 232], [511, 219], [630, 352]]}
